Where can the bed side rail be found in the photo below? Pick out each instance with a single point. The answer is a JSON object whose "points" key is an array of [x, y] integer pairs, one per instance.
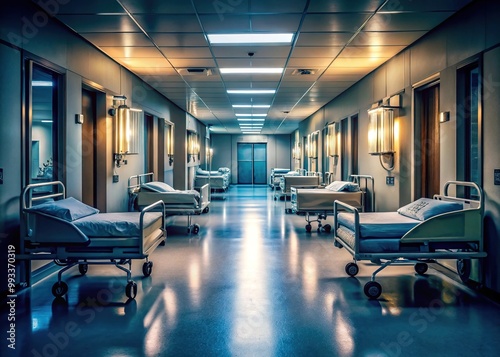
{"points": [[344, 207], [204, 196], [467, 202], [29, 196], [457, 226], [135, 181], [45, 230], [146, 245], [365, 181]]}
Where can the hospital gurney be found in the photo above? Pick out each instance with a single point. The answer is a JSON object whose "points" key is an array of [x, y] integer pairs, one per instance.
{"points": [[145, 191], [319, 201], [274, 177], [446, 227], [289, 181], [72, 233], [218, 180]]}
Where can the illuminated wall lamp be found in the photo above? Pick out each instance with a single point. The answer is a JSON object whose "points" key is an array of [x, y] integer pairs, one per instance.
{"points": [[381, 135], [312, 143], [126, 133], [193, 145], [297, 151]]}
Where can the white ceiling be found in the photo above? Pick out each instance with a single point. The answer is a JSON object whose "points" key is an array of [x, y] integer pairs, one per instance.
{"points": [[341, 40]]}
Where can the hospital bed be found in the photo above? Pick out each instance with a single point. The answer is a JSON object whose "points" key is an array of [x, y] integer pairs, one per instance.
{"points": [[289, 181], [218, 180], [319, 201], [73, 234], [274, 177], [445, 227], [144, 190]]}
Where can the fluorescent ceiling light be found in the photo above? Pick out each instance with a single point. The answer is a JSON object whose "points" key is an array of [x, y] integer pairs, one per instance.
{"points": [[250, 126], [251, 119], [251, 91], [250, 115], [251, 70], [41, 83], [243, 38], [250, 106], [46, 121]]}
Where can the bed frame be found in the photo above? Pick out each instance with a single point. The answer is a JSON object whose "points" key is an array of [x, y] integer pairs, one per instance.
{"points": [[289, 181], [176, 204], [46, 237], [453, 235], [318, 202]]}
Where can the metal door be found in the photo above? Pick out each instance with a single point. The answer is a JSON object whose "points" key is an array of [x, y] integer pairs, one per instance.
{"points": [[252, 163]]}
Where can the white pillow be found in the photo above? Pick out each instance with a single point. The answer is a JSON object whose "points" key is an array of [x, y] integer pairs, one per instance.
{"points": [[425, 208], [157, 186], [339, 186], [69, 209]]}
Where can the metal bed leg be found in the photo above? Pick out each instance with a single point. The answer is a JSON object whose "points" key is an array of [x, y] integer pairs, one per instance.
{"points": [[131, 288], [382, 267], [372, 288]]}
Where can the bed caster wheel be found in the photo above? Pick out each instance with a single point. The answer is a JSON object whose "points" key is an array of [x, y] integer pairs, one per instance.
{"points": [[463, 269], [59, 289], [196, 229], [351, 269], [131, 290], [421, 268], [337, 244], [147, 268], [83, 268], [373, 289], [327, 228], [206, 210], [308, 228]]}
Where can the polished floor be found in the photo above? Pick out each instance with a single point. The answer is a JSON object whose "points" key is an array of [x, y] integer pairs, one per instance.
{"points": [[253, 283]]}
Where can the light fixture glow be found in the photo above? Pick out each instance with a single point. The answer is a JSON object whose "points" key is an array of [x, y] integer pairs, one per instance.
{"points": [[242, 38], [250, 115], [251, 70], [249, 119], [250, 106], [251, 91], [42, 84]]}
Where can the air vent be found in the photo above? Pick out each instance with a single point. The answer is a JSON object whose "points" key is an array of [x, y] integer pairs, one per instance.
{"points": [[304, 72], [196, 71]]}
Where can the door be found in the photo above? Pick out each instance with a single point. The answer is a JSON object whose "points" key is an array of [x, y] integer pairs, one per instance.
{"points": [[427, 146], [252, 163], [88, 147]]}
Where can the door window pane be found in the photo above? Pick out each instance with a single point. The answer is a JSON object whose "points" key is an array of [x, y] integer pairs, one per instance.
{"points": [[43, 125]]}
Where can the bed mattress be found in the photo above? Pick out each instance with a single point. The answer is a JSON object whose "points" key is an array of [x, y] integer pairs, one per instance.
{"points": [[322, 199], [117, 224], [378, 224]]}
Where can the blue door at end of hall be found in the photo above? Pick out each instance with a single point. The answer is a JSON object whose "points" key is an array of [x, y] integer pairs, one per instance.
{"points": [[252, 163]]}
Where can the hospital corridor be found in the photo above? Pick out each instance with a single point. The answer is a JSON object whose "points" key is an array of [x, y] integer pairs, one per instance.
{"points": [[255, 283], [249, 178]]}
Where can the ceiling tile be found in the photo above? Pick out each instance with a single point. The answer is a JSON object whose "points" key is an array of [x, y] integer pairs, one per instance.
{"points": [[333, 22], [118, 39], [99, 23], [406, 21]]}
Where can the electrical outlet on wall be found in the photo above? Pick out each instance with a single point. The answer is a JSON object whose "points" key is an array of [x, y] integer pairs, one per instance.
{"points": [[389, 180], [116, 178]]}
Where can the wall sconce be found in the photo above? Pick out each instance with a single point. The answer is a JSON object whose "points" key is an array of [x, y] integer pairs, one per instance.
{"points": [[126, 131], [193, 145], [312, 143], [169, 140], [297, 151], [332, 137], [381, 135]]}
